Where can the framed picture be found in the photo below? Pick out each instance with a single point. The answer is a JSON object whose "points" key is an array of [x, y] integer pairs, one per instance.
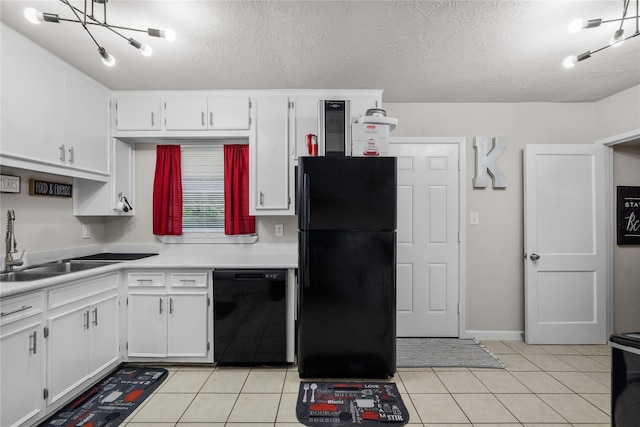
{"points": [[628, 218], [9, 184]]}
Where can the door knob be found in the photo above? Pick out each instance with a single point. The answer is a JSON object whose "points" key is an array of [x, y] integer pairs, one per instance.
{"points": [[534, 257]]}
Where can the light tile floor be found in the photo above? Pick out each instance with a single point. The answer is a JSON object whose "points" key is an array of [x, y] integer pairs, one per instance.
{"points": [[542, 385]]}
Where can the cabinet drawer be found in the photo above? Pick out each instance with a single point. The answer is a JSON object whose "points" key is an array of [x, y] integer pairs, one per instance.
{"points": [[191, 280], [146, 279], [81, 289], [21, 307]]}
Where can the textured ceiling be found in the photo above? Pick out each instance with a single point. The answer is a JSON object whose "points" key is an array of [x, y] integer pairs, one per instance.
{"points": [[417, 51]]}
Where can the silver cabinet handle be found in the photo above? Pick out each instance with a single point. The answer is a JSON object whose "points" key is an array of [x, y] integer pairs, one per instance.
{"points": [[33, 349], [261, 198], [63, 153], [202, 118], [534, 257], [160, 305], [71, 156], [211, 118], [153, 118], [86, 319], [144, 281], [23, 308], [170, 305], [185, 281], [95, 316]]}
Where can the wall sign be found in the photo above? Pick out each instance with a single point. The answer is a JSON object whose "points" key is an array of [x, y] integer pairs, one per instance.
{"points": [[628, 215], [9, 184], [486, 157], [46, 188]]}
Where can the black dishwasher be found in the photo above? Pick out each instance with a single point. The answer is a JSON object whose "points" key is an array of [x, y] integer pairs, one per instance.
{"points": [[249, 312]]}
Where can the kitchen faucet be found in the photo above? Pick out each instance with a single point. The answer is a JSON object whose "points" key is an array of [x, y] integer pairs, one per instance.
{"points": [[12, 245]]}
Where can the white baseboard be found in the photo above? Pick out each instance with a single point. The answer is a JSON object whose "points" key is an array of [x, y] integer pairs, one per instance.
{"points": [[495, 335]]}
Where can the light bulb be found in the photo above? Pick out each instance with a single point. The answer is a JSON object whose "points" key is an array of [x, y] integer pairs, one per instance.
{"points": [[570, 61], [618, 38], [33, 15], [576, 25], [169, 34], [107, 58], [146, 50]]}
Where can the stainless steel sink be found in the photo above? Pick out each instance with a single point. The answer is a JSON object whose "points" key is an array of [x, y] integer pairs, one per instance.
{"points": [[51, 269]]}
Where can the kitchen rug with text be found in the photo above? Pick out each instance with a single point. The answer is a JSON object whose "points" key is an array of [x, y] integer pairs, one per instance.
{"points": [[322, 404], [110, 402]]}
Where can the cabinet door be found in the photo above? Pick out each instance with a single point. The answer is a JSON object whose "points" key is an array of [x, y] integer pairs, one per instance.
{"points": [[187, 325], [21, 388], [68, 359], [104, 348], [138, 113], [271, 155], [185, 113], [305, 121], [228, 112], [32, 99], [147, 325], [86, 125]]}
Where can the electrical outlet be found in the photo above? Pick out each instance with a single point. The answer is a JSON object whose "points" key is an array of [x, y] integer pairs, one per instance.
{"points": [[279, 230], [474, 218], [86, 231]]}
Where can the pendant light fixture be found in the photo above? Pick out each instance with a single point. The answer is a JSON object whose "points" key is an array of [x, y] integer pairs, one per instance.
{"points": [[86, 17], [616, 40]]}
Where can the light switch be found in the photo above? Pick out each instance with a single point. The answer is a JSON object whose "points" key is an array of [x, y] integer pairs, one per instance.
{"points": [[279, 230], [474, 218], [86, 231]]}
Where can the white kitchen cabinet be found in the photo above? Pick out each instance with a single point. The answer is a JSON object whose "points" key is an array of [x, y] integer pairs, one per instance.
{"points": [[168, 315], [22, 352], [138, 112], [269, 185], [94, 198], [54, 118], [83, 333], [207, 113]]}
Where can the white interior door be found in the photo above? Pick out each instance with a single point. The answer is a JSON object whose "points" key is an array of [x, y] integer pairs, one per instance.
{"points": [[428, 248], [565, 248]]}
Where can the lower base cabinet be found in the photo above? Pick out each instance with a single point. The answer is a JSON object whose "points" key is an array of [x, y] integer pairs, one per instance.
{"points": [[21, 342], [83, 334]]}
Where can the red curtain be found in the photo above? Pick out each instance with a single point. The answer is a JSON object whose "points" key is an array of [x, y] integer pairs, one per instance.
{"points": [[236, 191], [167, 192]]}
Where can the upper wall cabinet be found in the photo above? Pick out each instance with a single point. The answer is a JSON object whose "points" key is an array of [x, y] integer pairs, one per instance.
{"points": [[138, 113], [205, 114], [54, 118]]}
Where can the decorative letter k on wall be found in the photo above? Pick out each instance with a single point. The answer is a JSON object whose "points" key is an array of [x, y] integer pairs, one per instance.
{"points": [[486, 161]]}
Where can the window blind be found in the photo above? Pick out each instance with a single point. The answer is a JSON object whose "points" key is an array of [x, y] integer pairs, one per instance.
{"points": [[203, 189]]}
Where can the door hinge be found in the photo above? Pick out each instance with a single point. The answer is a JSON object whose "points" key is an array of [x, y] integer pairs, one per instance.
{"points": [[209, 301], [250, 105], [46, 331], [127, 300], [45, 394], [208, 346], [250, 121], [127, 346], [458, 308]]}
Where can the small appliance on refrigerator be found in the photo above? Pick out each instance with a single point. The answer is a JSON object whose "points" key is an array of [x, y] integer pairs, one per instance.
{"points": [[347, 267]]}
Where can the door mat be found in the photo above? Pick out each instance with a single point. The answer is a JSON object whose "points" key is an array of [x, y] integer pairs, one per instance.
{"points": [[110, 402], [443, 353], [350, 404]]}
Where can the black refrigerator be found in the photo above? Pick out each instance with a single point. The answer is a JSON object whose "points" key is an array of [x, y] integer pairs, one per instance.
{"points": [[346, 210]]}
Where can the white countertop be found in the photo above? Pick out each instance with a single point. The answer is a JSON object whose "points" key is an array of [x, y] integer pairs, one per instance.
{"points": [[172, 257]]}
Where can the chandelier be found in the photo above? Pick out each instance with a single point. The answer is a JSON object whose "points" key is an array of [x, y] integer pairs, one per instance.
{"points": [[616, 40], [86, 17]]}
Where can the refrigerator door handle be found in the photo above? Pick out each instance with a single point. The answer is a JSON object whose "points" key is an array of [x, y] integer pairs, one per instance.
{"points": [[304, 214], [304, 260]]}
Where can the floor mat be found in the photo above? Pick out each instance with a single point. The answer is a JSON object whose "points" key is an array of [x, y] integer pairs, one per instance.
{"points": [[108, 403], [443, 352], [368, 404]]}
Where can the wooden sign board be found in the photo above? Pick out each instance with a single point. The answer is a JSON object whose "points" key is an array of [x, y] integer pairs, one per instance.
{"points": [[46, 188], [628, 215]]}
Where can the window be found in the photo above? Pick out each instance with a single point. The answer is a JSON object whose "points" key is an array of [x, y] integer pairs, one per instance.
{"points": [[202, 189]]}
